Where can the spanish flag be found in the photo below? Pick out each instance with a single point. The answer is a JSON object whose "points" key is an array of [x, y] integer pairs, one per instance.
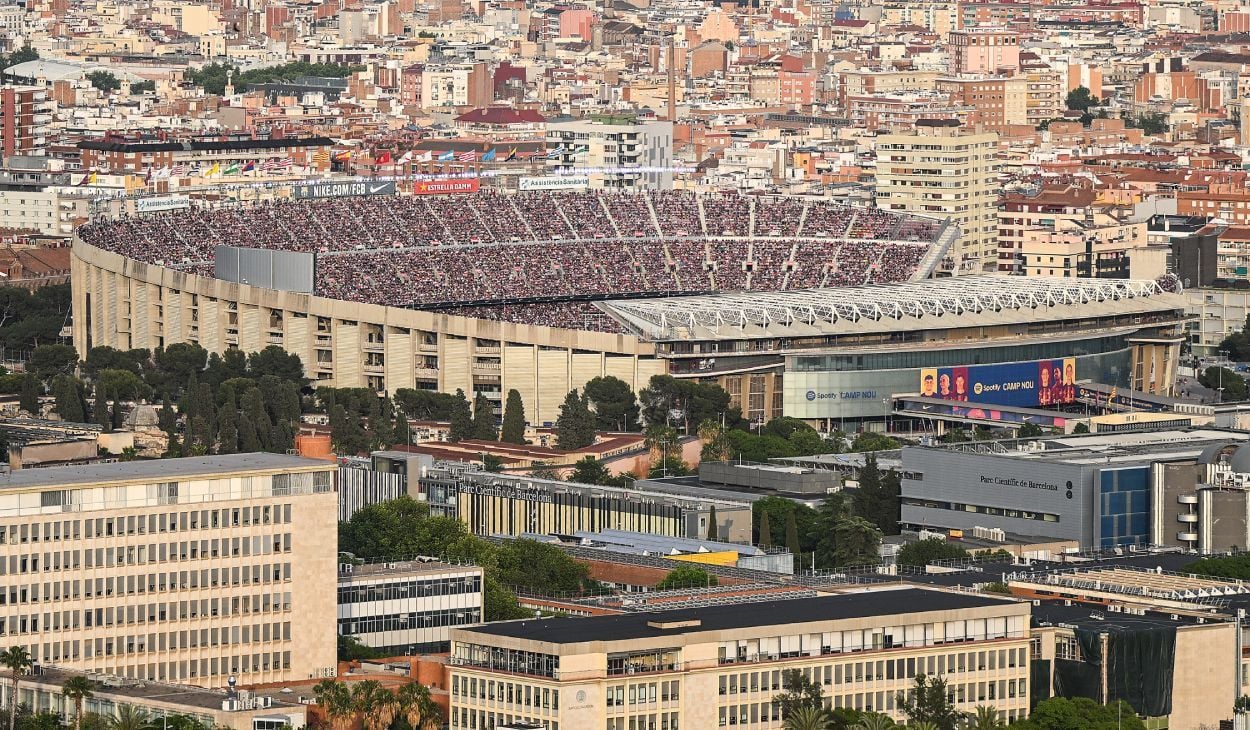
{"points": [[342, 156]]}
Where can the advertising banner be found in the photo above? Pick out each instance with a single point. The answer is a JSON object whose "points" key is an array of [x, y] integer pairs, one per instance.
{"points": [[1025, 384], [554, 182], [440, 187], [167, 202], [347, 189]]}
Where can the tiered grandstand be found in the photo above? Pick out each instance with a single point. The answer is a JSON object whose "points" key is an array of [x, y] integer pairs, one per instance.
{"points": [[540, 258]]}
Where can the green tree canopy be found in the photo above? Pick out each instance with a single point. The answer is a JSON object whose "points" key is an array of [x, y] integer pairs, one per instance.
{"points": [[1081, 713], [575, 426], [923, 552], [1081, 99], [1231, 381], [540, 567], [484, 419], [687, 577], [49, 361], [927, 701], [461, 418], [104, 81], [615, 406], [513, 431]]}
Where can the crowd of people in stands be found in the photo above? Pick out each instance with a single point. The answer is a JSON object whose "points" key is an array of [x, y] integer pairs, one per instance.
{"points": [[488, 246]]}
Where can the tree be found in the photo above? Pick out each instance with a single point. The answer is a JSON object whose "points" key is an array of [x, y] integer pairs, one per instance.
{"points": [[513, 419], [589, 470], [129, 717], [615, 406], [873, 441], [48, 361], [373, 703], [792, 534], [877, 499], [1080, 428], [985, 718], [875, 721], [492, 463], [713, 530], [764, 530], [1080, 99], [1231, 384], [1232, 567], [1153, 123], [1062, 713], [933, 549], [348, 435], [415, 705], [68, 392], [123, 384], [856, 542], [687, 402], [17, 660], [228, 428], [484, 419], [32, 389], [335, 699], [687, 577], [798, 692], [1029, 430], [142, 87], [275, 361], [808, 718], [100, 409], [575, 426], [77, 689], [104, 81], [926, 701], [351, 650], [540, 567], [461, 419]]}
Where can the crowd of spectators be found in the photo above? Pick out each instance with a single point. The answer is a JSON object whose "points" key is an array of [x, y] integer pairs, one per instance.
{"points": [[492, 246]]}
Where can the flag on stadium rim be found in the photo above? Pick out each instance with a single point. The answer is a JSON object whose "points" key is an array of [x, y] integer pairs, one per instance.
{"points": [[489, 156], [232, 169], [556, 152], [405, 158], [249, 165], [511, 155], [178, 170], [344, 156], [448, 155], [322, 156], [214, 170], [286, 162], [467, 156], [147, 177], [426, 156], [383, 159], [269, 165], [163, 173], [86, 178]]}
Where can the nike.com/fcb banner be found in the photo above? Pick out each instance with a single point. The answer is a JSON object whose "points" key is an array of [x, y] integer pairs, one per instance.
{"points": [[315, 191], [442, 187], [1024, 384]]}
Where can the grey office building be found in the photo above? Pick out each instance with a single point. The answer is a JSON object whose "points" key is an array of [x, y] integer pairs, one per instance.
{"points": [[1095, 489]]}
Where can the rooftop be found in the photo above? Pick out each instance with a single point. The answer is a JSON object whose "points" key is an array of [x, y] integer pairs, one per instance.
{"points": [[966, 301], [160, 469], [886, 602], [401, 569]]}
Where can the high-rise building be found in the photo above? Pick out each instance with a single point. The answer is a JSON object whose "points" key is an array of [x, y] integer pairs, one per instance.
{"points": [[24, 115], [940, 171], [180, 570], [613, 145]]}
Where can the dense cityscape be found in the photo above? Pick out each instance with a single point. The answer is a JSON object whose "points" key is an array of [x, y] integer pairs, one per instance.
{"points": [[644, 365]]}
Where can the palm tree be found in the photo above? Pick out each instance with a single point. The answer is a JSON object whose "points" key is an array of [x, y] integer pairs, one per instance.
{"points": [[414, 703], [923, 725], [335, 699], [374, 703], [77, 689], [985, 718], [875, 721], [17, 660], [129, 717], [808, 718]]}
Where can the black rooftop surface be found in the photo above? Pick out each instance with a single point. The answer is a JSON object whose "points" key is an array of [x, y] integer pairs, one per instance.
{"points": [[746, 615], [1095, 617]]}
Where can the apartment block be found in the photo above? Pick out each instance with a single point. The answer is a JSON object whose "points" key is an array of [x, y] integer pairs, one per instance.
{"points": [[611, 146], [721, 665], [940, 171], [180, 570], [25, 112]]}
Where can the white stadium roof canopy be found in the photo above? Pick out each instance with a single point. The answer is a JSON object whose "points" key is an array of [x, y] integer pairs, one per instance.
{"points": [[957, 302]]}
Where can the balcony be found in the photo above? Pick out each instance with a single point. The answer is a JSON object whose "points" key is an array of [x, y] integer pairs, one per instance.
{"points": [[1187, 518], [1187, 536], [1187, 499]]}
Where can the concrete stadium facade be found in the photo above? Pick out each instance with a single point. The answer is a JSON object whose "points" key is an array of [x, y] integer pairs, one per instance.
{"points": [[125, 303]]}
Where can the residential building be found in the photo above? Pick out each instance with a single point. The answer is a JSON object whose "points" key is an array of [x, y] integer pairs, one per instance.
{"points": [[178, 570], [611, 146], [942, 172], [43, 202], [994, 103], [25, 113], [454, 85], [984, 50], [721, 665], [407, 607]]}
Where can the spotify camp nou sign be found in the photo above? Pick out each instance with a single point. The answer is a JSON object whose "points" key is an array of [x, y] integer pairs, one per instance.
{"points": [[1023, 384]]}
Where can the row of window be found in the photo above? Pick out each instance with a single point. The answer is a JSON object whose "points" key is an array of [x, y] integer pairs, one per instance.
{"points": [[980, 509], [56, 530], [512, 693], [156, 612], [409, 621], [416, 588], [149, 553], [643, 694], [150, 583], [662, 721], [466, 719], [884, 701]]}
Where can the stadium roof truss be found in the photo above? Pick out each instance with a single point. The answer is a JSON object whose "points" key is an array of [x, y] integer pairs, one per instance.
{"points": [[938, 303]]}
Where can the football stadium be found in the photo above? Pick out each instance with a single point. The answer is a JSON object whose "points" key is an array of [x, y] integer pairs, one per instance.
{"points": [[778, 299]]}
